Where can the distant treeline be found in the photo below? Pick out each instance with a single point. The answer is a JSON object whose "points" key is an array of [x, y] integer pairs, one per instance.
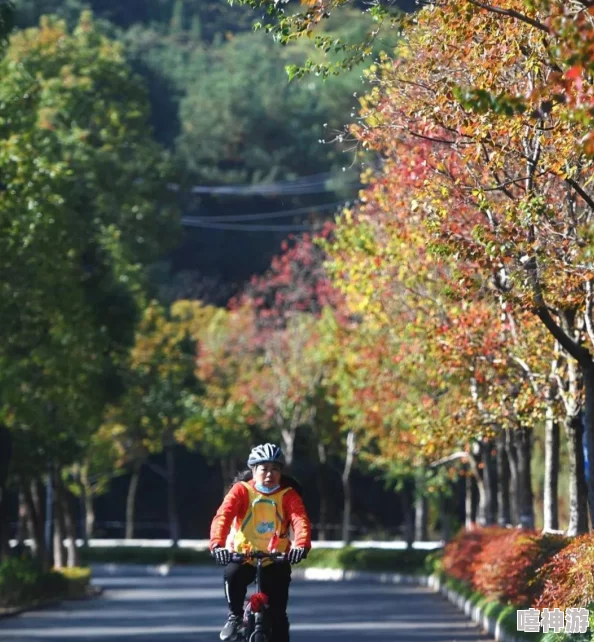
{"points": [[222, 104]]}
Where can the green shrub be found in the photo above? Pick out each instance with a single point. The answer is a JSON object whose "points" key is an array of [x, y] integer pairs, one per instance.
{"points": [[19, 581], [368, 559], [144, 555], [22, 581], [433, 561], [371, 559], [77, 581]]}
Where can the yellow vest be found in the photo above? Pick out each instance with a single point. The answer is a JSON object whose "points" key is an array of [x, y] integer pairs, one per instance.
{"points": [[262, 521]]}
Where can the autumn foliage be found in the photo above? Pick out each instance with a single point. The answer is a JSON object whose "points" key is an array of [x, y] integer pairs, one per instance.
{"points": [[523, 568], [296, 282], [569, 576], [461, 553], [506, 566]]}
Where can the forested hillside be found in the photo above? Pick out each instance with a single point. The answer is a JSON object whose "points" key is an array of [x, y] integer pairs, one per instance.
{"points": [[222, 104]]}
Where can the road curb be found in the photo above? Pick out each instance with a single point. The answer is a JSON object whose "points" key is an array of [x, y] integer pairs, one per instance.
{"points": [[475, 613], [38, 606]]}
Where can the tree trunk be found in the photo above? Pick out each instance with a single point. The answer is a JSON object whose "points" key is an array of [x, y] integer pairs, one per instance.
{"points": [[288, 437], [512, 460], [4, 532], [407, 502], [588, 427], [489, 481], [503, 495], [65, 501], [551, 478], [40, 509], [4, 524], [421, 518], [523, 441], [35, 521], [171, 497], [481, 513], [59, 527], [131, 500], [563, 334], [445, 518], [87, 502], [5, 457], [48, 525], [469, 516], [346, 487], [72, 550], [23, 532], [322, 492], [578, 504], [229, 468]]}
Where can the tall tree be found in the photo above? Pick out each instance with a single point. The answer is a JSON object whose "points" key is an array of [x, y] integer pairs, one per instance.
{"points": [[6, 18], [218, 423], [159, 378], [508, 193], [77, 226]]}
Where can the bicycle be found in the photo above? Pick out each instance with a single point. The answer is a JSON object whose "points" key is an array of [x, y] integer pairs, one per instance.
{"points": [[256, 627]]}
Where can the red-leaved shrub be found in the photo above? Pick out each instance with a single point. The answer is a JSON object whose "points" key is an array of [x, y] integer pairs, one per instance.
{"points": [[461, 552], [568, 577], [506, 567]]}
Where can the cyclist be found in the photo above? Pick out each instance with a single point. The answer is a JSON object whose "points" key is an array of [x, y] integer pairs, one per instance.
{"points": [[256, 515]]}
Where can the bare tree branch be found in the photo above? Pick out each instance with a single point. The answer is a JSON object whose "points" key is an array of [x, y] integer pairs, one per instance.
{"points": [[511, 13], [588, 311], [461, 454], [581, 191]]}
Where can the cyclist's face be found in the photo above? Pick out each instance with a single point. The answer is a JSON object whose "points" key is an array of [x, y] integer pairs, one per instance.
{"points": [[267, 474]]}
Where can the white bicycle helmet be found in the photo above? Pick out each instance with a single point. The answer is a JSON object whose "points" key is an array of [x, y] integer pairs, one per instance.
{"points": [[266, 453]]}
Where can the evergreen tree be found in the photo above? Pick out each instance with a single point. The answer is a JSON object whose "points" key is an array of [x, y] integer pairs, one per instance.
{"points": [[176, 24]]}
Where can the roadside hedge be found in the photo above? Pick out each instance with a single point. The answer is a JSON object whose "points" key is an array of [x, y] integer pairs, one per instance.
{"points": [[505, 569], [144, 555], [367, 559], [360, 559], [23, 582]]}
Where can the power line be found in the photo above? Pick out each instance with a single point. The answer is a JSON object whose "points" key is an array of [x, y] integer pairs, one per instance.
{"points": [[312, 179], [250, 228], [239, 218], [296, 190], [314, 184]]}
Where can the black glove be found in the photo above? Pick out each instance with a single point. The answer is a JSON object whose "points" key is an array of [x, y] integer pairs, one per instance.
{"points": [[222, 555], [296, 555]]}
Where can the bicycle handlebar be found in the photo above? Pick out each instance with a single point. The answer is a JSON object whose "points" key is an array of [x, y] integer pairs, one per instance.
{"points": [[275, 557]]}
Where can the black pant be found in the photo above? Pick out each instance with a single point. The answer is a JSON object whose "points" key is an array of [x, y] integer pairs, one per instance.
{"points": [[275, 581]]}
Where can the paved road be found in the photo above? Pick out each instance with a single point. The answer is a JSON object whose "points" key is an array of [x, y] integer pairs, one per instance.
{"points": [[191, 608]]}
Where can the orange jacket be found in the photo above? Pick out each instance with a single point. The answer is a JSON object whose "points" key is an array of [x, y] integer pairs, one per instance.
{"points": [[235, 506]]}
